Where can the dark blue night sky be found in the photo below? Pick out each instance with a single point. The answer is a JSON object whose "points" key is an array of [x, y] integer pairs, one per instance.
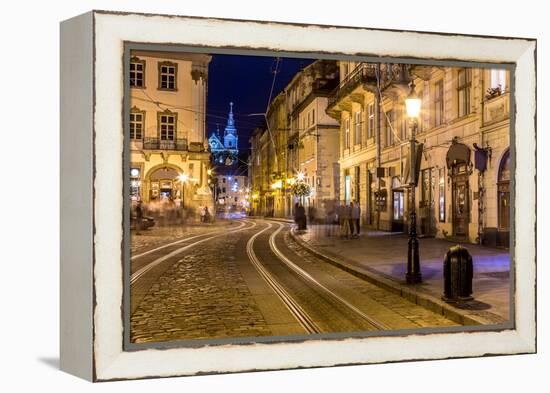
{"points": [[246, 81]]}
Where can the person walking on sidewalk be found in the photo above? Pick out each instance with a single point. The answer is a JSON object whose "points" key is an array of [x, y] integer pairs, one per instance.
{"points": [[355, 219], [301, 217], [345, 228]]}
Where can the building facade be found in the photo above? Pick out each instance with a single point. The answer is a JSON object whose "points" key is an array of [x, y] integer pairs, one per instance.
{"points": [[463, 134], [299, 141], [169, 156], [232, 194], [228, 177]]}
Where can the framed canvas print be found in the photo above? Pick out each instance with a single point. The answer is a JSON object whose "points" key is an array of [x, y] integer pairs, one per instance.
{"points": [[246, 195]]}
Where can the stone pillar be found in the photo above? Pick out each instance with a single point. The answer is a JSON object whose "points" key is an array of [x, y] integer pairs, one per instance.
{"points": [[199, 74]]}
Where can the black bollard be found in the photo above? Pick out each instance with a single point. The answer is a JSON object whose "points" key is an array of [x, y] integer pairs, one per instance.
{"points": [[458, 272]]}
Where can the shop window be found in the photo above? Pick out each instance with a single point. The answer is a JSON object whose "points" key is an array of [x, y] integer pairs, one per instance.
{"points": [[441, 194]]}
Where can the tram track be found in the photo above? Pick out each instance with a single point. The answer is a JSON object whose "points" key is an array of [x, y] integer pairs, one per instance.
{"points": [[134, 277], [308, 277], [303, 318], [297, 293]]}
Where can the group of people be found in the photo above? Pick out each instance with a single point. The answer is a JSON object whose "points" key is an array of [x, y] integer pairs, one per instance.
{"points": [[168, 212], [349, 219], [346, 217]]}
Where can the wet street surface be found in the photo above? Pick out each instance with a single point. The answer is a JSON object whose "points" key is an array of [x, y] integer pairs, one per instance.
{"points": [[250, 279]]}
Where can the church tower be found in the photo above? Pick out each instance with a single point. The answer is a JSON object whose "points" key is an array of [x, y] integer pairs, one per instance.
{"points": [[225, 152], [230, 138]]}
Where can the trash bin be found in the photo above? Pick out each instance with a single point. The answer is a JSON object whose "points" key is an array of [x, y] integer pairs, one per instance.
{"points": [[458, 272]]}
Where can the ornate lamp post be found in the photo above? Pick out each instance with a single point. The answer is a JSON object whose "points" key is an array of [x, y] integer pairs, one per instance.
{"points": [[413, 104]]}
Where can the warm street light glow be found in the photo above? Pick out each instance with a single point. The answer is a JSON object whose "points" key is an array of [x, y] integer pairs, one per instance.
{"points": [[255, 196], [300, 176], [183, 178], [209, 172], [277, 185], [413, 102], [291, 181]]}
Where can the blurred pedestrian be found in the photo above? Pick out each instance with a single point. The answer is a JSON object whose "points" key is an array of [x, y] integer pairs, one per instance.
{"points": [[301, 217], [345, 221], [355, 219], [139, 217], [202, 213]]}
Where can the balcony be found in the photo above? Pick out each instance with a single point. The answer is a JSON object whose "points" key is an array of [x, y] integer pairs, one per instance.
{"points": [[364, 73], [158, 144], [392, 77]]}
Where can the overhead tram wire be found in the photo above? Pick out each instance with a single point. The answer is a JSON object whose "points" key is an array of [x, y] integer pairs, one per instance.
{"points": [[164, 106]]}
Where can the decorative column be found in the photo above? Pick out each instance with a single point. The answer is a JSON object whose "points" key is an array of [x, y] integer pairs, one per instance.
{"points": [[199, 74]]}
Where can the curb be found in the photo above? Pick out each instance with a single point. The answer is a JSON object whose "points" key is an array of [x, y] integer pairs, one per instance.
{"points": [[425, 300]]}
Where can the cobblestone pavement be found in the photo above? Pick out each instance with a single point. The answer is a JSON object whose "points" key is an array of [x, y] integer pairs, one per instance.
{"points": [[213, 291], [159, 235], [200, 296], [384, 254], [393, 310]]}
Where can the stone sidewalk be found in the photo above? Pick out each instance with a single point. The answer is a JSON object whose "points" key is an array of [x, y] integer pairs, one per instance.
{"points": [[380, 257]]}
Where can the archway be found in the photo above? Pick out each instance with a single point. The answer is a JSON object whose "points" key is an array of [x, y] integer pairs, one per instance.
{"points": [[164, 183]]}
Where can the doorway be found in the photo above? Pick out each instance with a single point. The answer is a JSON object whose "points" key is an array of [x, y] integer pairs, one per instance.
{"points": [[460, 200], [427, 203]]}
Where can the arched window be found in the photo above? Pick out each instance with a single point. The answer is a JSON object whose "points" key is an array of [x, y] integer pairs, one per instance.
{"points": [[503, 187]]}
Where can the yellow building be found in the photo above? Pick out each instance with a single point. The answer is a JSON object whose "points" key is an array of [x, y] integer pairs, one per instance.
{"points": [[300, 139], [169, 155], [464, 129]]}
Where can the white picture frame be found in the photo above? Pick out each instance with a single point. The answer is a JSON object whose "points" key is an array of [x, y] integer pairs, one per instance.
{"points": [[92, 251]]}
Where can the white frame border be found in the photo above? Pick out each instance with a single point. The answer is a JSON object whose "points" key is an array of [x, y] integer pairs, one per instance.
{"points": [[111, 30]]}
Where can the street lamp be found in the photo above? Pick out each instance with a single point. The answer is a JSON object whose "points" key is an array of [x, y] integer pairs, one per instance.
{"points": [[413, 104]]}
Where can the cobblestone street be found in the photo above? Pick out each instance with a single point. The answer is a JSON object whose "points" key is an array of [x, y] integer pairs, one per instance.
{"points": [[253, 280], [200, 296]]}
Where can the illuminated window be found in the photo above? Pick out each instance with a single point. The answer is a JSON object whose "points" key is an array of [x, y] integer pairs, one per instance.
{"points": [[441, 194], [370, 126], [498, 79]]}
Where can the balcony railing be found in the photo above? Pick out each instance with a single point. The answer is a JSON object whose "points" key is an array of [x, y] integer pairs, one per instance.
{"points": [[365, 74], [160, 144]]}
